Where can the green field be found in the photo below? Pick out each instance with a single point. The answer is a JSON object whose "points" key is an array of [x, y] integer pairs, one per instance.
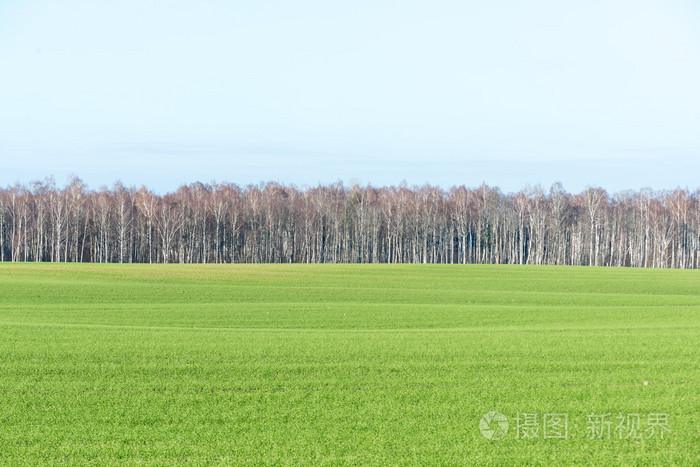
{"points": [[347, 364]]}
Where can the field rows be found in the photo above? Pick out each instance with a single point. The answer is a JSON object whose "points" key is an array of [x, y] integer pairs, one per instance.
{"points": [[341, 363]]}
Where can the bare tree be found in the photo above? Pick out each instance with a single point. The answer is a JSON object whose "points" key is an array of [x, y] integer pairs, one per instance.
{"points": [[169, 222], [334, 223]]}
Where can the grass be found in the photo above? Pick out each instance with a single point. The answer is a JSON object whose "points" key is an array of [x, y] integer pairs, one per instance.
{"points": [[342, 364]]}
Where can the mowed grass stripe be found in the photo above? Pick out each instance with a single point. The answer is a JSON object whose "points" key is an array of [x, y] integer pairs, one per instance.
{"points": [[680, 329], [341, 316], [446, 277], [114, 293]]}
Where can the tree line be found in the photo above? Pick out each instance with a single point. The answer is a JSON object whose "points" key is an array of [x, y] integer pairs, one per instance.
{"points": [[274, 223]]}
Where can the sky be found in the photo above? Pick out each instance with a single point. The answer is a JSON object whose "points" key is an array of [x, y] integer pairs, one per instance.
{"points": [[446, 92]]}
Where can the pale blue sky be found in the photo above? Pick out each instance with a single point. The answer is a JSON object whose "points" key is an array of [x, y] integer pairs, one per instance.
{"points": [[446, 92]]}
